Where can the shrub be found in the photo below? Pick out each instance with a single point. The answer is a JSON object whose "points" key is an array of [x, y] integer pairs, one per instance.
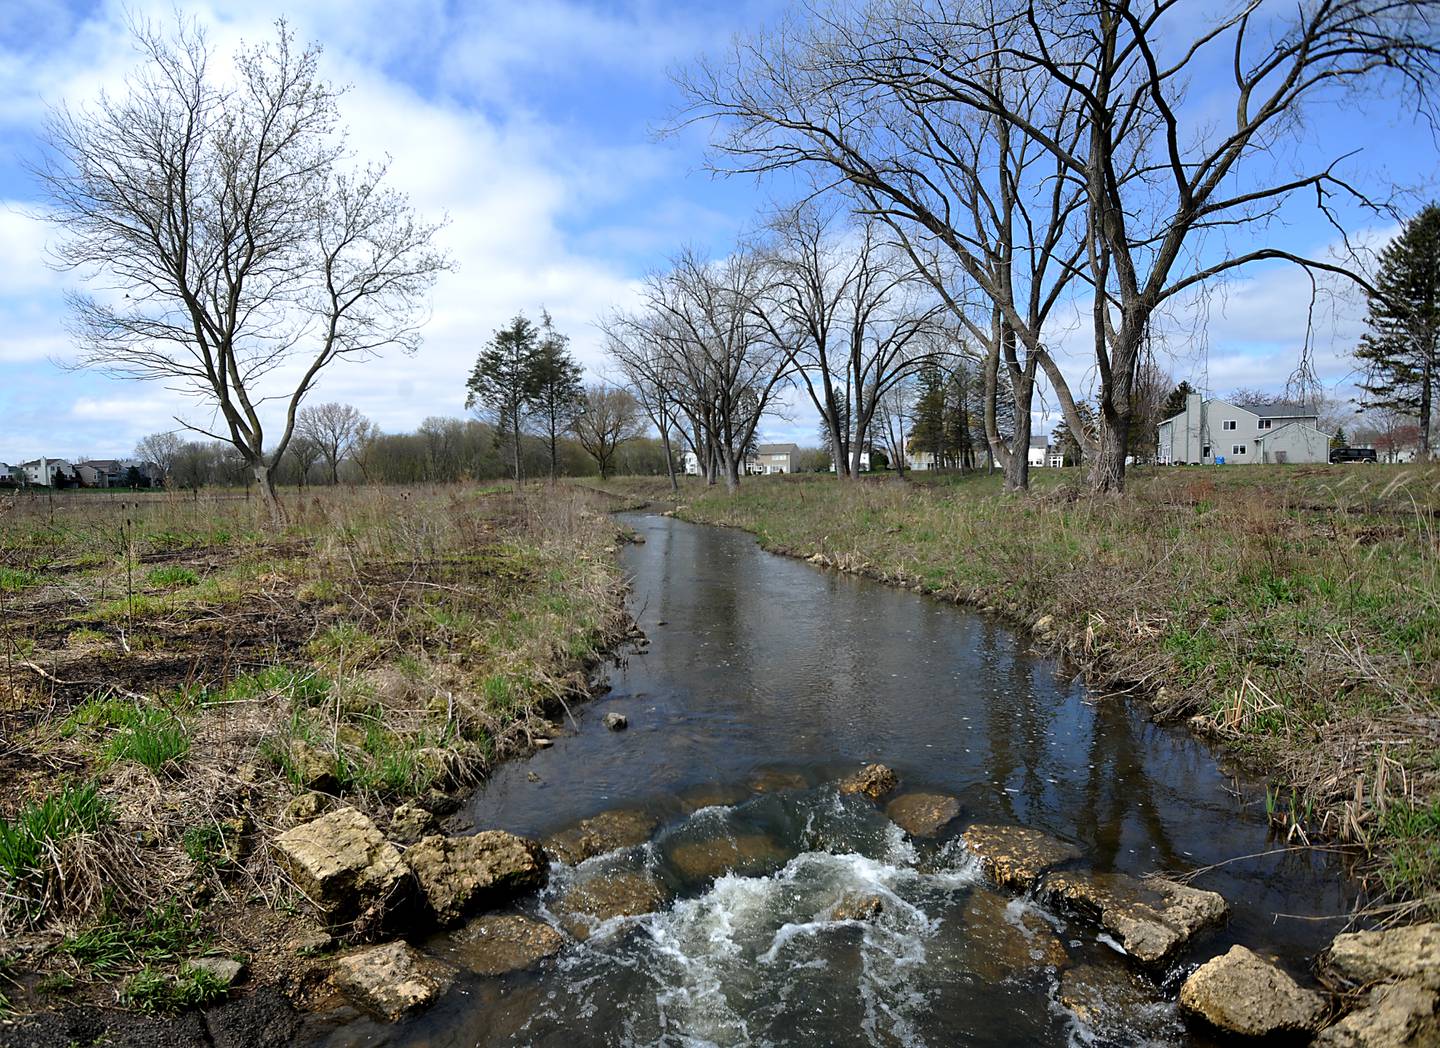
{"points": [[27, 843]]}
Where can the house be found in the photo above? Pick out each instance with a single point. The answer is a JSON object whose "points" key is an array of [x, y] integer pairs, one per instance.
{"points": [[864, 463], [773, 458], [1038, 452], [101, 473], [46, 472], [1216, 430], [920, 460], [9, 475]]}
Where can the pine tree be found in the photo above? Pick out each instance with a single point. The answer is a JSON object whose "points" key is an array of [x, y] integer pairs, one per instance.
{"points": [[1401, 350], [504, 384], [558, 392], [927, 431]]}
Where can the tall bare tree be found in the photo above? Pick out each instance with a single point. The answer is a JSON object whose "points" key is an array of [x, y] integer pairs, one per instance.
{"points": [[336, 430], [233, 253], [853, 315], [638, 345], [162, 450], [1102, 90], [608, 418]]}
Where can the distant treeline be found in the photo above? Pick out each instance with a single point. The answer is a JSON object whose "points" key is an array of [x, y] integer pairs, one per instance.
{"points": [[441, 450]]}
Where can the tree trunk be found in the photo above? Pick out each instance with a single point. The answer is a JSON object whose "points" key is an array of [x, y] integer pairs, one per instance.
{"points": [[265, 481], [1427, 378], [669, 458]]}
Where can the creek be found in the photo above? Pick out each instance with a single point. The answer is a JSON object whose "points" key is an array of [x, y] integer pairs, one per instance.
{"points": [[765, 680]]}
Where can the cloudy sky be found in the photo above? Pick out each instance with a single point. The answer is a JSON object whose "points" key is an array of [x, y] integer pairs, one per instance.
{"points": [[531, 125]]}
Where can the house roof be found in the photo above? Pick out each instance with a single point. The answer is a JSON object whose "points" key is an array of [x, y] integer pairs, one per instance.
{"points": [[777, 449], [101, 463], [1039, 442], [1280, 429], [1282, 409]]}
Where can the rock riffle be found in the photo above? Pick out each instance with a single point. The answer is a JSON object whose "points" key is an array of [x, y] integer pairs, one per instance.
{"points": [[746, 853], [923, 814], [1393, 1015], [1362, 958], [873, 780], [345, 866], [459, 875], [1150, 919], [596, 900], [391, 980], [1241, 993], [606, 832], [1016, 856], [505, 943]]}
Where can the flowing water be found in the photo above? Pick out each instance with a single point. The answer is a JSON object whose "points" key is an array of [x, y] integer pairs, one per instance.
{"points": [[766, 679]]}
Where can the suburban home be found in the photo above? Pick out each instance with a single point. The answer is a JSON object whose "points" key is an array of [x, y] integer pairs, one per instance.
{"points": [[45, 472], [101, 473], [1216, 430], [1039, 451], [864, 463], [773, 458], [9, 475]]}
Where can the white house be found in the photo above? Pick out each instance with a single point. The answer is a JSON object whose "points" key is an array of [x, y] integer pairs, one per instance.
{"points": [[864, 463], [1216, 430], [42, 472], [1037, 453]]}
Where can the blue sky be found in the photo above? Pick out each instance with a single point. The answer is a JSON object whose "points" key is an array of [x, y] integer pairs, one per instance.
{"points": [[531, 125]]}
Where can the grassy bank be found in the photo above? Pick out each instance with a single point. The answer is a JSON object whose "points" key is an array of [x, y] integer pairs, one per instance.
{"points": [[1293, 612], [178, 683]]}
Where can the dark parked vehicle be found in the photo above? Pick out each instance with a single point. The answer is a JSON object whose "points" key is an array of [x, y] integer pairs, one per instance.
{"points": [[1353, 455]]}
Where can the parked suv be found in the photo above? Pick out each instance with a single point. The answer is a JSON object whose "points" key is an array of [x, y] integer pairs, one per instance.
{"points": [[1353, 455]]}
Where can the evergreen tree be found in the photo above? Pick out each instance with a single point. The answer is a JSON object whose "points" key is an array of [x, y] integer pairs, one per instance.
{"points": [[558, 392], [504, 382], [1175, 402], [1401, 350], [927, 430]]}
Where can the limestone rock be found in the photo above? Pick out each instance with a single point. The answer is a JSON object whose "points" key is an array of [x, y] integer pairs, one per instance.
{"points": [[459, 875], [856, 907], [606, 832], [391, 980], [310, 942], [1151, 919], [344, 865], [1016, 856], [226, 971], [1241, 993], [303, 808], [714, 857], [923, 814], [1117, 1006], [774, 781], [410, 822], [711, 796], [873, 780], [599, 899], [504, 943], [1396, 1015], [1361, 958], [616, 721], [1005, 940], [313, 768]]}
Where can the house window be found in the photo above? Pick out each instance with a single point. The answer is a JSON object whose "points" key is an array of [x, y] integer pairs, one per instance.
{"points": [[1265, 423], [1205, 451], [1237, 449], [1229, 423]]}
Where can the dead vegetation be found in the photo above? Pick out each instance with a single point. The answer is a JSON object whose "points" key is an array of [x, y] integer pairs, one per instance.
{"points": [[173, 676]]}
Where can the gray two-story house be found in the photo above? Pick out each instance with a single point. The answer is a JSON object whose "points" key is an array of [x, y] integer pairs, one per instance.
{"points": [[1211, 430]]}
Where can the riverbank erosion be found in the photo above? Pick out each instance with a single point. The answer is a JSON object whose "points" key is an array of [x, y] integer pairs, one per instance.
{"points": [[219, 738], [1289, 613]]}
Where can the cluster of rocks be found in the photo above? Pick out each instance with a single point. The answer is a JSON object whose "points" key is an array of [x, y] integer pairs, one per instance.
{"points": [[359, 881], [1385, 985]]}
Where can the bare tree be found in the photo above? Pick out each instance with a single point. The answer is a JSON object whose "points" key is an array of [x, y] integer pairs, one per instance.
{"points": [[1101, 90], [336, 430], [161, 450], [234, 256], [304, 451], [722, 364], [638, 347], [863, 99], [607, 419], [851, 313]]}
